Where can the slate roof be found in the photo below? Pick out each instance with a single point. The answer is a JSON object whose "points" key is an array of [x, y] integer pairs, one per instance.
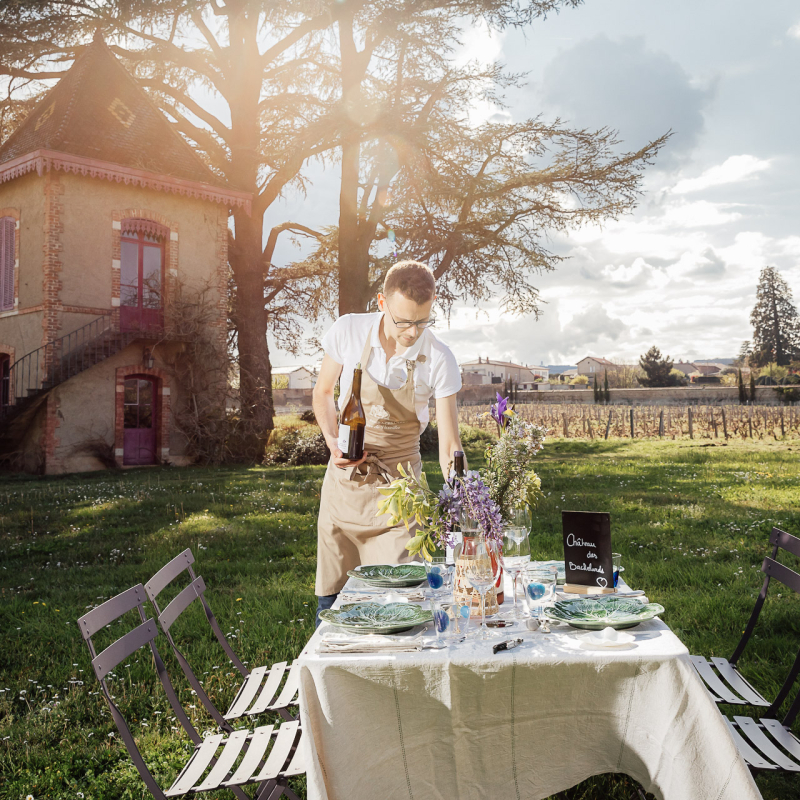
{"points": [[99, 111]]}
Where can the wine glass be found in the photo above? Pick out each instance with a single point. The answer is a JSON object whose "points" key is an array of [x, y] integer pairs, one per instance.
{"points": [[540, 589], [482, 571], [516, 557]]}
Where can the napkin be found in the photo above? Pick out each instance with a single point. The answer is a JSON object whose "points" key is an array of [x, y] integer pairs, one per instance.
{"points": [[335, 642]]}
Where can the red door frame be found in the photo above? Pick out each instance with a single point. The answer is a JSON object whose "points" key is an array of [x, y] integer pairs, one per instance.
{"points": [[131, 437], [139, 317]]}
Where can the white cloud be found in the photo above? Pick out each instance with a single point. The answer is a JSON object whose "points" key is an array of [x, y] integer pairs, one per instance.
{"points": [[794, 31], [732, 170]]}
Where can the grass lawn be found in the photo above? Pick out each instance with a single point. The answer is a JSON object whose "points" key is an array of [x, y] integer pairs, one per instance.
{"points": [[691, 520]]}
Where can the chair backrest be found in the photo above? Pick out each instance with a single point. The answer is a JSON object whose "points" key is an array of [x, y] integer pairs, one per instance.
{"points": [[166, 618], [773, 570], [103, 663]]}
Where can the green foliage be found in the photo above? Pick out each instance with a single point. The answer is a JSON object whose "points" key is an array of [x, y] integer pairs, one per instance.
{"points": [[299, 448], [598, 394], [752, 387], [742, 390], [580, 380], [657, 370], [606, 392], [775, 321]]}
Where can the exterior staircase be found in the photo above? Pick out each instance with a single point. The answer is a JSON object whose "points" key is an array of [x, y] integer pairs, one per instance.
{"points": [[36, 374]]}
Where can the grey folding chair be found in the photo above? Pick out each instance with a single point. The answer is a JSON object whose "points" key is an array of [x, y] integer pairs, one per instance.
{"points": [[766, 743], [265, 689], [722, 676], [220, 761]]}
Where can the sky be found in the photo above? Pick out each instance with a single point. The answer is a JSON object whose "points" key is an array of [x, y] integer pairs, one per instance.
{"points": [[720, 204]]}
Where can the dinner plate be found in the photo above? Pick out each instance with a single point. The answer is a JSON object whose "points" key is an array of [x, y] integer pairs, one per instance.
{"points": [[377, 617], [390, 576], [596, 613]]}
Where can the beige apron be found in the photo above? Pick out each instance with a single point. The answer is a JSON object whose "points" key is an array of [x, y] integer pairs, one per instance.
{"points": [[348, 531]]}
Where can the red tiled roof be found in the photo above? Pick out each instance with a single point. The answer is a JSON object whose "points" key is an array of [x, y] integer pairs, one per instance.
{"points": [[99, 111]]}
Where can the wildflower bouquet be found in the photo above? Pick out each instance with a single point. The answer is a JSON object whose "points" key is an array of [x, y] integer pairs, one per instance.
{"points": [[411, 501], [509, 474]]}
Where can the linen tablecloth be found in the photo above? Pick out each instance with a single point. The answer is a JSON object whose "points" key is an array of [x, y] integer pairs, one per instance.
{"points": [[462, 723]]}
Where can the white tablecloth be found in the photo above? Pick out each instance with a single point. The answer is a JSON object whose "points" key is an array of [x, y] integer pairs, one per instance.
{"points": [[463, 723]]}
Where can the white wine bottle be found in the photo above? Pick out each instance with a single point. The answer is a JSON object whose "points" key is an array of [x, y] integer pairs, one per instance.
{"points": [[353, 421]]}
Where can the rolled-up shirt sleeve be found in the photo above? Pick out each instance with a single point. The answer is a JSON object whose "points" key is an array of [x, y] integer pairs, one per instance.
{"points": [[445, 374]]}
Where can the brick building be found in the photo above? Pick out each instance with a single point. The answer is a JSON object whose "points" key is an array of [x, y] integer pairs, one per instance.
{"points": [[104, 213]]}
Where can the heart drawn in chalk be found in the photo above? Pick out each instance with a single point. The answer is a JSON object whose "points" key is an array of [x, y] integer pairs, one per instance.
{"points": [[602, 582]]}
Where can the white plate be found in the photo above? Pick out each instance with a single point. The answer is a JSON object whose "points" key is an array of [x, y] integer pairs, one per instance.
{"points": [[607, 639]]}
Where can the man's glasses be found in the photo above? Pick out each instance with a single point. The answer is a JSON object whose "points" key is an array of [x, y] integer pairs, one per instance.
{"points": [[405, 324]]}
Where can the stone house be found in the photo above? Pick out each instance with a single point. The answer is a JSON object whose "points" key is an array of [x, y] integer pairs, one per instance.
{"points": [[105, 215], [592, 365], [294, 377], [486, 370]]}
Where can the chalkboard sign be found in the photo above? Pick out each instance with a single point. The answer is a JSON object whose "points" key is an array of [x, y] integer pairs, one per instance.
{"points": [[587, 548]]}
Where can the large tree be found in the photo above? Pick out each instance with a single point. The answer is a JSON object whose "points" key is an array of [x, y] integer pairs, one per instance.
{"points": [[776, 325], [657, 369]]}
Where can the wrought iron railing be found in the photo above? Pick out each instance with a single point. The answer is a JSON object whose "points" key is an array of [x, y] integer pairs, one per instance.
{"points": [[61, 359]]}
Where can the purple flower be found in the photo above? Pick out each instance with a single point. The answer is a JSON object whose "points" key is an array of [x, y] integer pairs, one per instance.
{"points": [[498, 411], [472, 495]]}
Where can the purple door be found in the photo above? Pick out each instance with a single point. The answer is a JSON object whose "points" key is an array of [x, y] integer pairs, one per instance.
{"points": [[139, 442], [141, 280]]}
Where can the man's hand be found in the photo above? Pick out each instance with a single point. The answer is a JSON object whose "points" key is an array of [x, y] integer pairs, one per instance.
{"points": [[338, 456]]}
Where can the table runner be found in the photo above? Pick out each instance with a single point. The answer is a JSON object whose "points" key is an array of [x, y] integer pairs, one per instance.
{"points": [[463, 723]]}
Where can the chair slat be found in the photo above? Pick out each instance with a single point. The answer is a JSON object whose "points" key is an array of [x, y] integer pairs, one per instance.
{"points": [[751, 756], [167, 574], [124, 646], [270, 688], [227, 758], [290, 689], [180, 603], [252, 758], [298, 763], [738, 682], [99, 617], [785, 540], [280, 751], [753, 732], [713, 682], [246, 693], [783, 737], [788, 577], [196, 766]]}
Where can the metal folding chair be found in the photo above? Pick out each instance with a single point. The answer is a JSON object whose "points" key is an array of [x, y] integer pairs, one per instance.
{"points": [[219, 761], [766, 743], [261, 690], [722, 676]]}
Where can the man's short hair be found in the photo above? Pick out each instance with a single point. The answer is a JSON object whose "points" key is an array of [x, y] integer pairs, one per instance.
{"points": [[412, 279]]}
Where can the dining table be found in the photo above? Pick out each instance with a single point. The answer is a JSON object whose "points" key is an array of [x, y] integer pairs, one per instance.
{"points": [[463, 723]]}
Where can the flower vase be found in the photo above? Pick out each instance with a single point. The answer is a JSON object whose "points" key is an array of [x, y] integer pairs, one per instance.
{"points": [[464, 593]]}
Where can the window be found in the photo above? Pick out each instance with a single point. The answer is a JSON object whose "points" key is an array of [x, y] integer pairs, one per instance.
{"points": [[138, 403], [8, 231]]}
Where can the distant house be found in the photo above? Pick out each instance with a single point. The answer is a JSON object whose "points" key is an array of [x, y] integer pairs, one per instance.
{"points": [[592, 365], [686, 367], [710, 368], [487, 370], [297, 377]]}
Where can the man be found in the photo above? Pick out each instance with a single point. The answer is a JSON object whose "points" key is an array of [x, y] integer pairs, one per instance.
{"points": [[403, 365]]}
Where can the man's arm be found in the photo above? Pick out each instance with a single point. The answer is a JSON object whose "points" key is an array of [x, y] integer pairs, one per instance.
{"points": [[449, 438], [325, 409]]}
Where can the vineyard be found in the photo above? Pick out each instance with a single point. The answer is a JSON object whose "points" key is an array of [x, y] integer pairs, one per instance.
{"points": [[653, 422]]}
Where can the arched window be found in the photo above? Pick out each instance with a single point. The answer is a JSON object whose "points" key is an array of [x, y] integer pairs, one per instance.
{"points": [[8, 231], [142, 249]]}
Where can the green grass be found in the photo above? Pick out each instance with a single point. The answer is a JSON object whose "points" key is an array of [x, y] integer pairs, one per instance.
{"points": [[690, 519]]}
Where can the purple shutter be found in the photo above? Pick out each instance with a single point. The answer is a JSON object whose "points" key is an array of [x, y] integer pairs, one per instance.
{"points": [[7, 234]]}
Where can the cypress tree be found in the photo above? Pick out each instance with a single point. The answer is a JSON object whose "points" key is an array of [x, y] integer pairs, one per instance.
{"points": [[606, 392], [752, 387], [596, 390], [742, 390]]}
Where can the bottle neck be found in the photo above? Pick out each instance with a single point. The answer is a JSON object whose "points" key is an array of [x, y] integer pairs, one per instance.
{"points": [[357, 383]]}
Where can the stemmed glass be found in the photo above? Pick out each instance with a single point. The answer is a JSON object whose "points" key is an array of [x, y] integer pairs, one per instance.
{"points": [[516, 557], [482, 571], [440, 580]]}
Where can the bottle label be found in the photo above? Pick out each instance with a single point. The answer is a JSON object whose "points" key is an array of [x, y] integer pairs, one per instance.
{"points": [[344, 439]]}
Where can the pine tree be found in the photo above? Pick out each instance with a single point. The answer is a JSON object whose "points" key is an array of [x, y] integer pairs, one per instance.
{"points": [[775, 321], [657, 369], [606, 392], [742, 390]]}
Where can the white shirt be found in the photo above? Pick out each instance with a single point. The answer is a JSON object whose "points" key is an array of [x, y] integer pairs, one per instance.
{"points": [[437, 376]]}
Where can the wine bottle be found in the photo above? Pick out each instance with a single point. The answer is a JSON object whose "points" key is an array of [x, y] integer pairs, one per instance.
{"points": [[458, 464], [353, 421]]}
